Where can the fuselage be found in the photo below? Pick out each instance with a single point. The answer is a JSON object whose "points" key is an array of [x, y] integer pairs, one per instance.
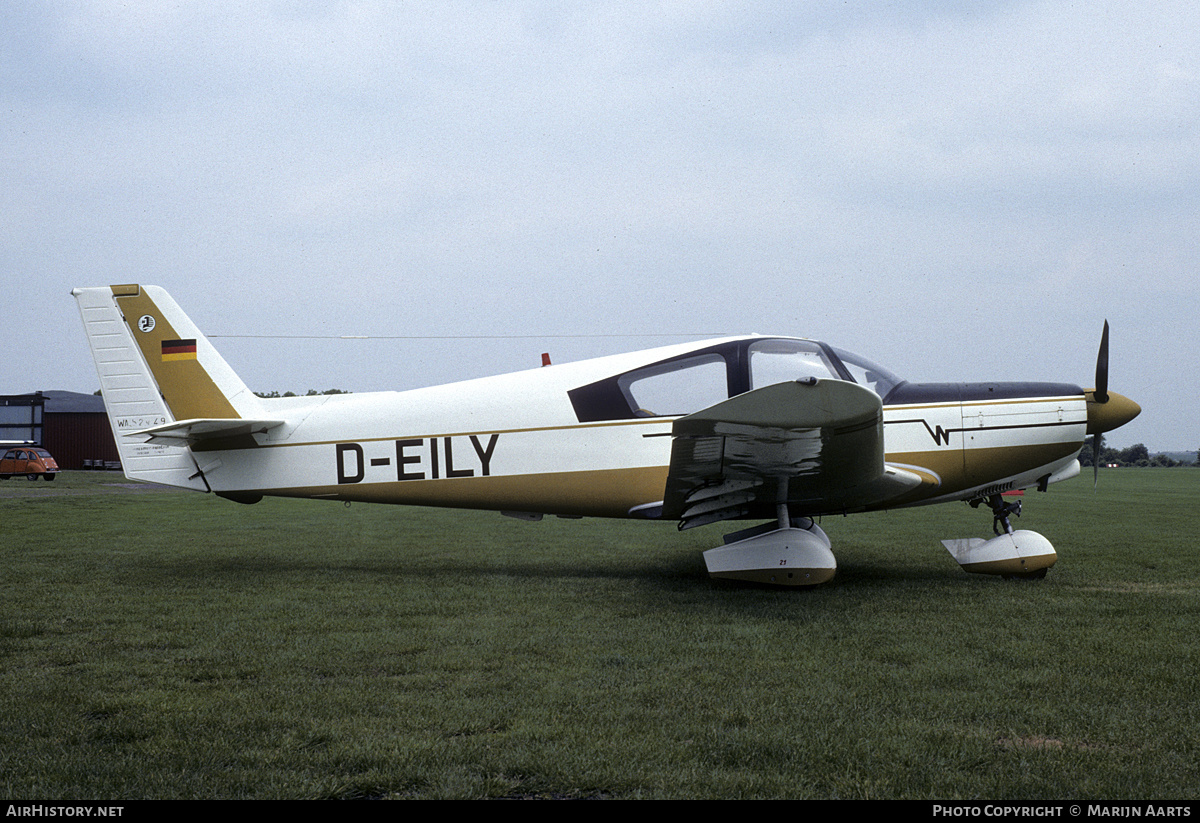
{"points": [[594, 437]]}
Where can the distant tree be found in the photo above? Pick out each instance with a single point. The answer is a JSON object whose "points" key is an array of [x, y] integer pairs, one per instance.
{"points": [[1136, 455]]}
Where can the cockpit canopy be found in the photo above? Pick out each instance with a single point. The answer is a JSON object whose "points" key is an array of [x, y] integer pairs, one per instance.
{"points": [[694, 381]]}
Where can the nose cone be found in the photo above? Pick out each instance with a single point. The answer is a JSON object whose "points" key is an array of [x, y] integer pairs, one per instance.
{"points": [[1111, 414]]}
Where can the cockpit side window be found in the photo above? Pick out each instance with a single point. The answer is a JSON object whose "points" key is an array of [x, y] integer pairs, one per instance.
{"points": [[688, 383], [676, 387]]}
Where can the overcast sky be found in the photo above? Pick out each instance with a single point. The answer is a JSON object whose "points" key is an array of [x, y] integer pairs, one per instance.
{"points": [[958, 190]]}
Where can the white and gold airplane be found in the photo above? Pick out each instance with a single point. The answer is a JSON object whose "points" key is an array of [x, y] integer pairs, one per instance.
{"points": [[739, 428]]}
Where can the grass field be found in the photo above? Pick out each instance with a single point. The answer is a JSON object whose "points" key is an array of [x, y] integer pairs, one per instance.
{"points": [[158, 644]]}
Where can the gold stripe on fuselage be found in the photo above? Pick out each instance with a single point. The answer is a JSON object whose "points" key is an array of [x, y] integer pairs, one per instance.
{"points": [[477, 433], [600, 493]]}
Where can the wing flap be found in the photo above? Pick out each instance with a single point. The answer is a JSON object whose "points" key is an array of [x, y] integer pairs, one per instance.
{"points": [[814, 444]]}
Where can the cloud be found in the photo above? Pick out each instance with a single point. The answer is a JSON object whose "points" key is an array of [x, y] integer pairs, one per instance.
{"points": [[884, 175]]}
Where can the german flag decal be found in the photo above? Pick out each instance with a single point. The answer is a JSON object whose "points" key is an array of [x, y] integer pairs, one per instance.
{"points": [[178, 350]]}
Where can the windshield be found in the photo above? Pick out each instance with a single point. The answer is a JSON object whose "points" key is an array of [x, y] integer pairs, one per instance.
{"points": [[778, 361], [874, 377]]}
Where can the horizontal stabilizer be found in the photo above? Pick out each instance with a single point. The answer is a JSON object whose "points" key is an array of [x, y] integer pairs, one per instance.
{"points": [[199, 430]]}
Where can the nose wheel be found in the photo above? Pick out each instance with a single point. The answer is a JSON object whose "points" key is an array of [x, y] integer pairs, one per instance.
{"points": [[1010, 553]]}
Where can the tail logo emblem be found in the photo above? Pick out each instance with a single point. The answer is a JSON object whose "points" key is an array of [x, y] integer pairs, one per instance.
{"points": [[145, 323]]}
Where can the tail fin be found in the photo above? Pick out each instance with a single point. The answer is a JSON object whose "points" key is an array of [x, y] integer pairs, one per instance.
{"points": [[155, 369]]}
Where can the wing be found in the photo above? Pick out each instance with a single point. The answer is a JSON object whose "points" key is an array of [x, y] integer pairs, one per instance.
{"points": [[814, 444]]}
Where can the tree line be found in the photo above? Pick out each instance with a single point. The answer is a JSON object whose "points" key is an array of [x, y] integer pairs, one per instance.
{"points": [[309, 393], [1136, 455]]}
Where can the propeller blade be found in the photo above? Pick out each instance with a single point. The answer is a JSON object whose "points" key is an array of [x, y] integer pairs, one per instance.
{"points": [[1102, 368], [1100, 395]]}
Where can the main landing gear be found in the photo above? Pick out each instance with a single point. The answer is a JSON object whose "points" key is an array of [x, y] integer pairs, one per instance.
{"points": [[1020, 553], [788, 552]]}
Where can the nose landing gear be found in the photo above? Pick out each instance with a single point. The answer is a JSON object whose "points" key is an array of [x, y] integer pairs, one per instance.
{"points": [[1000, 512], [1011, 553]]}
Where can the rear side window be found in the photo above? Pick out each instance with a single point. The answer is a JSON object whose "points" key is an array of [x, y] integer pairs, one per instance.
{"points": [[677, 386]]}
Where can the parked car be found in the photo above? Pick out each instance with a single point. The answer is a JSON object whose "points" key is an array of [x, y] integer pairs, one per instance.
{"points": [[29, 461]]}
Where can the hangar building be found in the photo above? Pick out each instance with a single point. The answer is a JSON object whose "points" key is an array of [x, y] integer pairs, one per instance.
{"points": [[71, 426]]}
